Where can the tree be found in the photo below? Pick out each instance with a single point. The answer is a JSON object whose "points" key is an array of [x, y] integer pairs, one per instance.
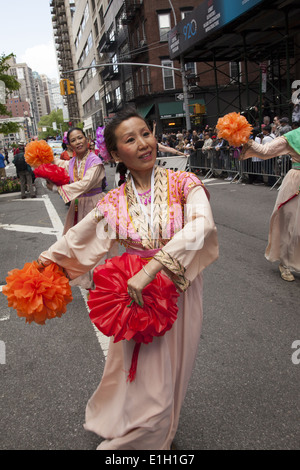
{"points": [[48, 120], [11, 84]]}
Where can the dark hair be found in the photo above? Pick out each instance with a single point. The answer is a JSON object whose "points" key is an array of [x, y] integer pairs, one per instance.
{"points": [[110, 129], [74, 129], [122, 170], [110, 136]]}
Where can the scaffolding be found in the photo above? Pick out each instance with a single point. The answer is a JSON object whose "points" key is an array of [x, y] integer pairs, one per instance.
{"points": [[267, 40]]}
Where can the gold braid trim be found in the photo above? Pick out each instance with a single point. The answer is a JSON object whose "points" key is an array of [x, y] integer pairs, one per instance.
{"points": [[175, 267]]}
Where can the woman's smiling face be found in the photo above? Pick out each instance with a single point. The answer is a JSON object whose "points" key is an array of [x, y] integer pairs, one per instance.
{"points": [[136, 145], [78, 141]]}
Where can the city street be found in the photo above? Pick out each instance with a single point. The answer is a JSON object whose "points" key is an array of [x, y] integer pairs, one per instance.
{"points": [[244, 392]]}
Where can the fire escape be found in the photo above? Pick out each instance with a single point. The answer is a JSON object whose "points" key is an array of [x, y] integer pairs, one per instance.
{"points": [[64, 53]]}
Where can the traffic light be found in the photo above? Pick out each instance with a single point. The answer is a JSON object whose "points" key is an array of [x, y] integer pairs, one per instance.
{"points": [[70, 87], [62, 87], [199, 108]]}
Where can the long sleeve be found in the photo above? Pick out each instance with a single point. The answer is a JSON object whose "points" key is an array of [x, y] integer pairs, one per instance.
{"points": [[62, 163], [195, 246], [277, 147], [92, 179], [81, 248]]}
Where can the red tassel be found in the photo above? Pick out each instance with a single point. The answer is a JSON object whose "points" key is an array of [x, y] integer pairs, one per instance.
{"points": [[134, 360], [288, 200]]}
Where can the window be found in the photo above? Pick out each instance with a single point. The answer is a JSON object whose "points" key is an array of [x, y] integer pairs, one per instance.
{"points": [[114, 60], [184, 13], [96, 27], [128, 89], [164, 24], [94, 70], [118, 95], [90, 42], [101, 16], [168, 75], [119, 24], [235, 72], [111, 34], [190, 68]]}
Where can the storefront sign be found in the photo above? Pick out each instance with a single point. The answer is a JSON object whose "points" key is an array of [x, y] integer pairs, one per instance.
{"points": [[208, 17]]}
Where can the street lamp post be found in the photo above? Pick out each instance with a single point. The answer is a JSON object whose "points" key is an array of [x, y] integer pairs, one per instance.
{"points": [[184, 81], [27, 125]]}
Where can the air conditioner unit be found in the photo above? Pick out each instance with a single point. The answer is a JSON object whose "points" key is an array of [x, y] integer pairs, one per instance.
{"points": [[143, 42]]}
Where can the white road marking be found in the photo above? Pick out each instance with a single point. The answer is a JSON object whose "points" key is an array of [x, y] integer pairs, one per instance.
{"points": [[103, 340], [56, 230]]}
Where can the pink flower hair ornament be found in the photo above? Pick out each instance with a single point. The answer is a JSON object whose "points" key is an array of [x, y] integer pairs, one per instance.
{"points": [[101, 144], [65, 139]]}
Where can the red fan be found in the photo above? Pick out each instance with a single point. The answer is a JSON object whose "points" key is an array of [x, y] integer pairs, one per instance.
{"points": [[54, 173], [113, 312]]}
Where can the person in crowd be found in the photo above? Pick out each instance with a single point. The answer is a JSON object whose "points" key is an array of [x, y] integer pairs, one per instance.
{"points": [[275, 126], [284, 231], [6, 155], [2, 165], [180, 142], [24, 172], [144, 414], [187, 146], [92, 147], [284, 126], [68, 153], [208, 145]]}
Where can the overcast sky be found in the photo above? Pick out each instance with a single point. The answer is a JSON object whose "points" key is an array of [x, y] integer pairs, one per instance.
{"points": [[26, 30]]}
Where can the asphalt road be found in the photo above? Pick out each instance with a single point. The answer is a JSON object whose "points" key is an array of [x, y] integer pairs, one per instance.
{"points": [[244, 393]]}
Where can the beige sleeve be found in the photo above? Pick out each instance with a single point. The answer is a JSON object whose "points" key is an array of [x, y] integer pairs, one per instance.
{"points": [[92, 179], [62, 163], [278, 146], [195, 246], [82, 247]]}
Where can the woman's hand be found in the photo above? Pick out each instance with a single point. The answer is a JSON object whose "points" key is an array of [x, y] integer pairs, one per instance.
{"points": [[43, 264], [244, 149], [139, 281], [135, 286]]}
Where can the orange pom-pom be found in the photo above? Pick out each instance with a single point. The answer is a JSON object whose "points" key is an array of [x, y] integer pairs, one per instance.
{"points": [[38, 294], [38, 152], [234, 128]]}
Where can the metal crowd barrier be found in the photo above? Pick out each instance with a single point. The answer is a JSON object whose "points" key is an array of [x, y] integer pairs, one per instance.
{"points": [[216, 163]]}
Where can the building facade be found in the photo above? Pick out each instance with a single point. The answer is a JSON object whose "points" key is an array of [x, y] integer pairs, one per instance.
{"points": [[62, 12], [120, 50]]}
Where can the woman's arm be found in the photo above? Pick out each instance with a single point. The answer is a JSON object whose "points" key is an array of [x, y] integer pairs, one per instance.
{"points": [[278, 146], [92, 179], [81, 248], [191, 249], [165, 149]]}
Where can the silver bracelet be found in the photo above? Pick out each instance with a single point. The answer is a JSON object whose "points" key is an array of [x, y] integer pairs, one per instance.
{"points": [[149, 275]]}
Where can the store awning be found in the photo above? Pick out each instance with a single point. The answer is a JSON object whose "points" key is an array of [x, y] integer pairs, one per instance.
{"points": [[173, 109], [144, 110]]}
